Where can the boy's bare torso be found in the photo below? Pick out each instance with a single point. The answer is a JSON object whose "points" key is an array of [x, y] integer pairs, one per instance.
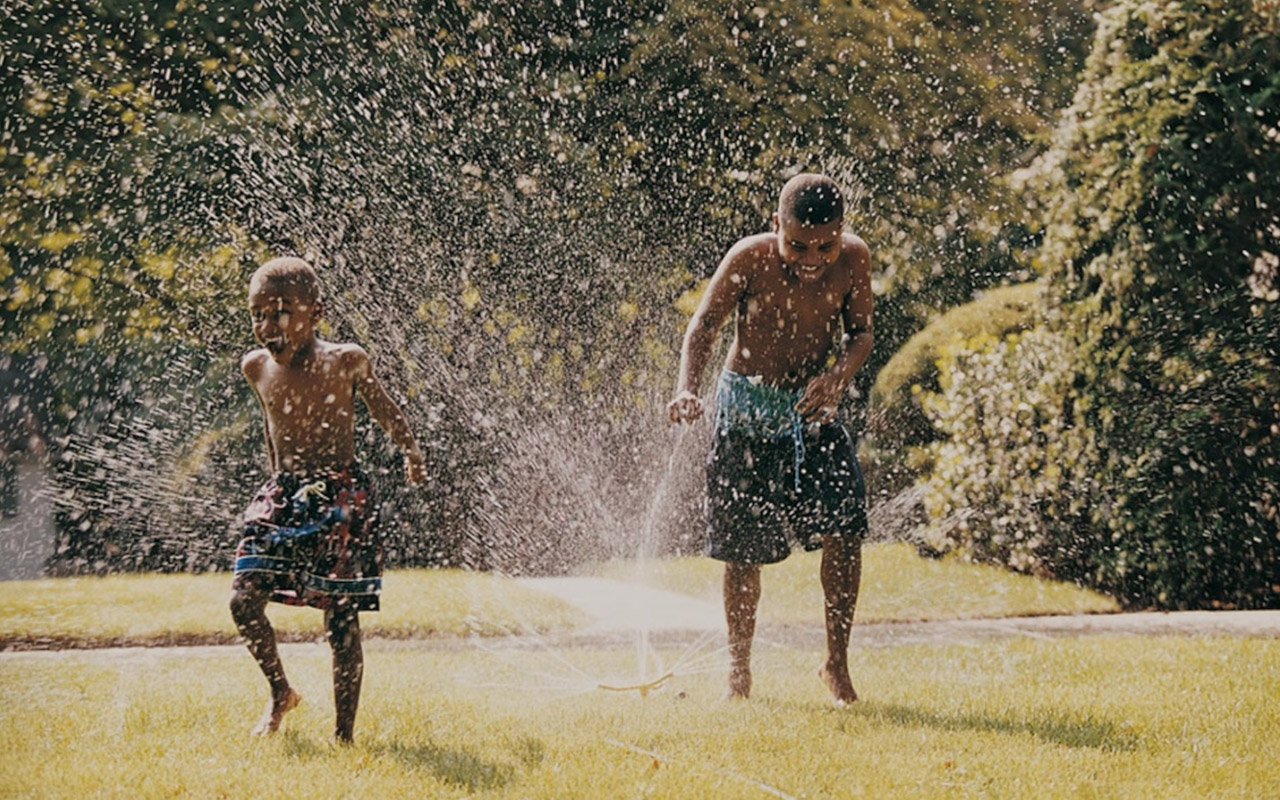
{"points": [[309, 407], [786, 329]]}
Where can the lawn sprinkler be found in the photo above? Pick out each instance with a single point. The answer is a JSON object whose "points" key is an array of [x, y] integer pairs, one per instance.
{"points": [[642, 688]]}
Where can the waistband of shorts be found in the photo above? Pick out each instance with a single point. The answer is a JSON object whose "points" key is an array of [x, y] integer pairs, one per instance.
{"points": [[747, 403], [352, 474]]}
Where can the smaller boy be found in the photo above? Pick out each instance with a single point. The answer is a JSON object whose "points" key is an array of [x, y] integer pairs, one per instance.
{"points": [[309, 535]]}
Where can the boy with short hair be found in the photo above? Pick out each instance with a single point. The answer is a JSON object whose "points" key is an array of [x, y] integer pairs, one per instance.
{"points": [[310, 535], [781, 467]]}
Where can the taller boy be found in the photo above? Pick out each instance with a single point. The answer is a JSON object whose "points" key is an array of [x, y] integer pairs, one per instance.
{"points": [[310, 535], [781, 467]]}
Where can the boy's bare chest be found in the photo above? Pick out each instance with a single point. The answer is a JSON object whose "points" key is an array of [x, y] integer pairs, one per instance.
{"points": [[307, 399], [795, 310]]}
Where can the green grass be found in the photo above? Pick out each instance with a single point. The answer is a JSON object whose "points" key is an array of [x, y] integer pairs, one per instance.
{"points": [[897, 584], [1101, 717], [144, 607]]}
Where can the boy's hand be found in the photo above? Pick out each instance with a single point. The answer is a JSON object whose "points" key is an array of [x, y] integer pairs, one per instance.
{"points": [[821, 398], [685, 408], [415, 470]]}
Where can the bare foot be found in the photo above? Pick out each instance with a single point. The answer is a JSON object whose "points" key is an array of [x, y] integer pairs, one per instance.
{"points": [[837, 680], [274, 715], [739, 684]]}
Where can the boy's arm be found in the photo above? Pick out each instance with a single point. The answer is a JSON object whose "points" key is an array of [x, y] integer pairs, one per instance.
{"points": [[718, 301], [387, 414], [823, 394], [251, 365]]}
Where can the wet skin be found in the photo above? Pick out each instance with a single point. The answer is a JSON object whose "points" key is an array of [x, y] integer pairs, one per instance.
{"points": [[307, 389], [801, 295], [802, 301]]}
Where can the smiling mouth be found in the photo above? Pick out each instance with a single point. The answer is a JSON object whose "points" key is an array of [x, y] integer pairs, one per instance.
{"points": [[274, 345]]}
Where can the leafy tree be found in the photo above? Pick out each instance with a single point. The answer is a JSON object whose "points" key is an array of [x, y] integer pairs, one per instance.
{"points": [[1147, 465], [505, 201]]}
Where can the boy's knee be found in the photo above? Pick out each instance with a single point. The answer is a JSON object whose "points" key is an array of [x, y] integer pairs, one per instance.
{"points": [[247, 600], [343, 626]]}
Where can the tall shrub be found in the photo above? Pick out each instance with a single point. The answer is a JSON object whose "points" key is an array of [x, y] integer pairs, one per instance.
{"points": [[1161, 242]]}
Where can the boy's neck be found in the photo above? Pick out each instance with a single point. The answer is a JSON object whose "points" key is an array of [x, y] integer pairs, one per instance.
{"points": [[298, 358]]}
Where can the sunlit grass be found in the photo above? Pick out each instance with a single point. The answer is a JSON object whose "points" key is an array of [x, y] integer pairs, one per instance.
{"points": [[897, 584], [1091, 717], [157, 607]]}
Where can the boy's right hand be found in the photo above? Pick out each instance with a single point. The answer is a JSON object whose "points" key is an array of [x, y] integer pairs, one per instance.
{"points": [[686, 407]]}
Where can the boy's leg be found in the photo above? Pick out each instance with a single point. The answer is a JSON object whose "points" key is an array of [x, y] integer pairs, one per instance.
{"points": [[248, 609], [741, 596], [343, 627], [841, 575]]}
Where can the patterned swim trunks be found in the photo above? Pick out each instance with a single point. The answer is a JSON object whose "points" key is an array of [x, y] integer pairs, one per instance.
{"points": [[313, 541]]}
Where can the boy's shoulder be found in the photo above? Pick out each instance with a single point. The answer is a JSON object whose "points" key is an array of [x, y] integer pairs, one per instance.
{"points": [[753, 252], [254, 361], [345, 351], [854, 244], [349, 357], [758, 245]]}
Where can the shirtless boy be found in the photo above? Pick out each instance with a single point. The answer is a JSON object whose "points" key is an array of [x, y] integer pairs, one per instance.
{"points": [[781, 467], [310, 536]]}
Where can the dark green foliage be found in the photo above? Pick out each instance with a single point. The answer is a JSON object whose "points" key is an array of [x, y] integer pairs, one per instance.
{"points": [[897, 421], [1154, 472], [504, 201]]}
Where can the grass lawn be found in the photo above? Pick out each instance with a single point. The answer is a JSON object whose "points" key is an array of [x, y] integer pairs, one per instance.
{"points": [[183, 607], [1102, 717], [897, 584]]}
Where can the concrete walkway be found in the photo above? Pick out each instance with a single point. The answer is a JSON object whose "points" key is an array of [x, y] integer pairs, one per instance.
{"points": [[618, 607]]}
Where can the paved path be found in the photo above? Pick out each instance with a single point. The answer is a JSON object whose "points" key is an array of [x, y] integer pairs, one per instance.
{"points": [[624, 608]]}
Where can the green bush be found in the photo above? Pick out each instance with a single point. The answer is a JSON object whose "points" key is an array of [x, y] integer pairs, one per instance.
{"points": [[1004, 477], [897, 420], [1137, 439]]}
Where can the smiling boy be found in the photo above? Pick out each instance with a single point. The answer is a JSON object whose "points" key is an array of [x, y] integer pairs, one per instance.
{"points": [[310, 534], [781, 467]]}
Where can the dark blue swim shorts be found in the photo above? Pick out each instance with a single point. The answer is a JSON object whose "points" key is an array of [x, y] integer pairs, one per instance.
{"points": [[766, 495]]}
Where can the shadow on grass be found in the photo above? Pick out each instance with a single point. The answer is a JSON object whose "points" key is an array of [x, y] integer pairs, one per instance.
{"points": [[1058, 730], [457, 767], [302, 748]]}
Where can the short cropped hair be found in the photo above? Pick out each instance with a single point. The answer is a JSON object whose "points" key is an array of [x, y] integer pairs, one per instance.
{"points": [[291, 272], [811, 199]]}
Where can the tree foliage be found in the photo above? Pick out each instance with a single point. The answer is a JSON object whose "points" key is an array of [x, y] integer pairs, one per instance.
{"points": [[1141, 452], [505, 200]]}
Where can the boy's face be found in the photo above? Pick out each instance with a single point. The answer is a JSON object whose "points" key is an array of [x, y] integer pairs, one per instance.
{"points": [[283, 316], [808, 249]]}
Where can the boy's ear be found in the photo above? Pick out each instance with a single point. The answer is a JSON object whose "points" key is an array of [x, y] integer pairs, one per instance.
{"points": [[775, 224]]}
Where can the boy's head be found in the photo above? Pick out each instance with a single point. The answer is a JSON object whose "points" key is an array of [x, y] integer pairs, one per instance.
{"points": [[810, 224], [284, 302]]}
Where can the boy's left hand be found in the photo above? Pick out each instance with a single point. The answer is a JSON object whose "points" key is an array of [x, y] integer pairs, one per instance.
{"points": [[415, 470], [821, 398]]}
